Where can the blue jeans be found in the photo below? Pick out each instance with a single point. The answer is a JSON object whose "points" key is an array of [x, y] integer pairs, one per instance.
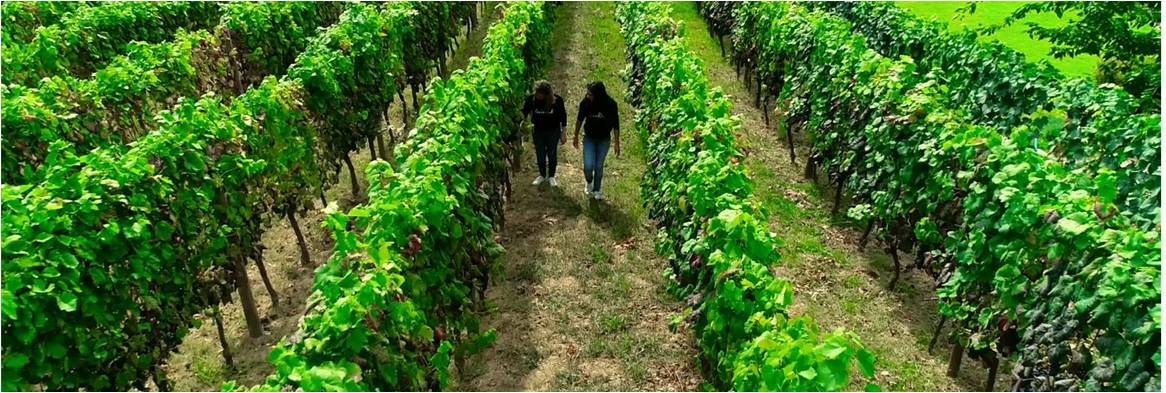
{"points": [[594, 152]]}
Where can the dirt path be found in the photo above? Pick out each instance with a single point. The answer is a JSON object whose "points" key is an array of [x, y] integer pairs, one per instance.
{"points": [[838, 284], [583, 304], [198, 365]]}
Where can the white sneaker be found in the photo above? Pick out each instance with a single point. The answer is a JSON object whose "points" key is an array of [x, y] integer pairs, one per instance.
{"points": [[587, 189], [598, 195], [537, 181], [552, 181]]}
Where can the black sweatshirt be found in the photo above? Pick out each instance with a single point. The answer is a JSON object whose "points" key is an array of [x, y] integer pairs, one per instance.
{"points": [[599, 118], [546, 120]]}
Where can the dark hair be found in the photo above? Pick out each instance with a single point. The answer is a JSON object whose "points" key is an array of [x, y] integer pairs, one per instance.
{"points": [[544, 87], [597, 90]]}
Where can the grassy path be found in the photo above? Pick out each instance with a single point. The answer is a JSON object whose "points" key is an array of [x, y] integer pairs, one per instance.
{"points": [[838, 284], [582, 305], [198, 365]]}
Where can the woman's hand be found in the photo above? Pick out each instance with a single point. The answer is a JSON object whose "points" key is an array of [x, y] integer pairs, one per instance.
{"points": [[617, 149]]}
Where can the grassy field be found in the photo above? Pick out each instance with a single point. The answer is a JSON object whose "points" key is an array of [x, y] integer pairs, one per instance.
{"points": [[1015, 36]]}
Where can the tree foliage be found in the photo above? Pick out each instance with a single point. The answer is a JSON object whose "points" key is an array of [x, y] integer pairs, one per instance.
{"points": [[1110, 30], [1126, 35]]}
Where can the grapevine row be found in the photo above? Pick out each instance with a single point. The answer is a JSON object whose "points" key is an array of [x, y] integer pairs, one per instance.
{"points": [[400, 295], [713, 231], [1038, 259], [1000, 90], [86, 39], [107, 260], [118, 103], [22, 18], [1085, 125], [427, 49]]}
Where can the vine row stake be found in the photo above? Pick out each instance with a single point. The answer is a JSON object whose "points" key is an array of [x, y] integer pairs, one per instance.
{"points": [[957, 358]]}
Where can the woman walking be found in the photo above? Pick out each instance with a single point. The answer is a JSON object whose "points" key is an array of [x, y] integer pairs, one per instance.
{"points": [[549, 117], [599, 116]]}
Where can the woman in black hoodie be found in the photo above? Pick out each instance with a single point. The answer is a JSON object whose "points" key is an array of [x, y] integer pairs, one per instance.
{"points": [[599, 116], [549, 117]]}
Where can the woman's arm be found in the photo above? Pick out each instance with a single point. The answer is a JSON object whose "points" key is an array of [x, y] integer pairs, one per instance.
{"points": [[615, 123], [562, 110], [579, 121]]}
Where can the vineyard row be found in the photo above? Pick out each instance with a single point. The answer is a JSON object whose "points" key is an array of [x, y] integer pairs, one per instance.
{"points": [[118, 103], [1084, 124], [89, 36], [110, 257], [996, 84], [401, 294], [712, 229], [1038, 258], [22, 18]]}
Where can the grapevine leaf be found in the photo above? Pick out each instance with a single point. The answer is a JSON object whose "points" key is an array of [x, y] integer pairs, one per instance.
{"points": [[866, 362], [1071, 226], [67, 301]]}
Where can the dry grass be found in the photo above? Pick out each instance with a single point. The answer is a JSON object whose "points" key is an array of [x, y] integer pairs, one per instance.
{"points": [[582, 305]]}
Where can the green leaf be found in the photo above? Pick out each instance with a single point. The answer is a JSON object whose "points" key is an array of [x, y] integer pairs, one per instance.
{"points": [[832, 374], [8, 305], [832, 350], [15, 360], [482, 341], [866, 363], [358, 212], [1106, 186], [440, 361], [67, 301], [54, 349], [1072, 227]]}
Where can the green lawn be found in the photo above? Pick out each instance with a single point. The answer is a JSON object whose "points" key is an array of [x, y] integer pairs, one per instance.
{"points": [[1015, 36]]}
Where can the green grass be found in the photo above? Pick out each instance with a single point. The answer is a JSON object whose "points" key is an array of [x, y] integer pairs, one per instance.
{"points": [[852, 304], [599, 254], [208, 370], [1015, 36], [612, 323]]}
